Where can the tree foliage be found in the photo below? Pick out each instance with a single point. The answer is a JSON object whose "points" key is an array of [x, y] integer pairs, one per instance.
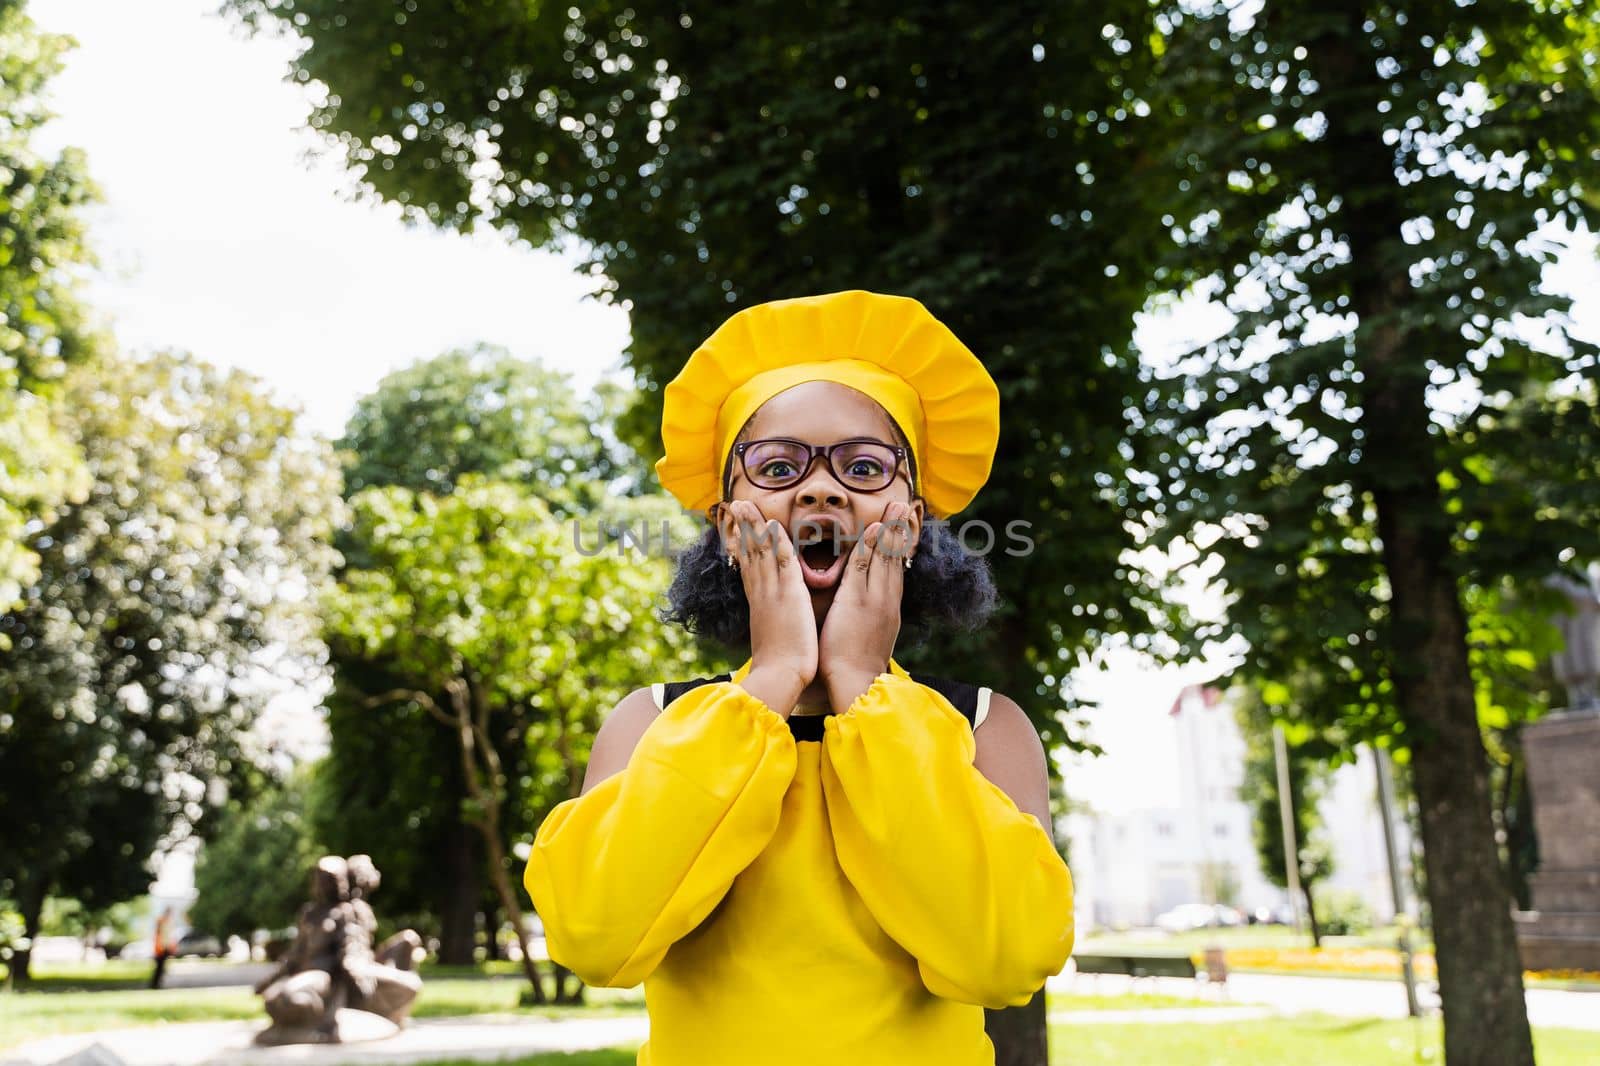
{"points": [[393, 779], [494, 624], [254, 872], [480, 410], [989, 160], [1373, 191], [42, 329], [173, 602]]}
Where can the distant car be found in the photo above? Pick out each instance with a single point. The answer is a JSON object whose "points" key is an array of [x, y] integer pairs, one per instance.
{"points": [[1187, 917], [203, 944], [1283, 914], [137, 949]]}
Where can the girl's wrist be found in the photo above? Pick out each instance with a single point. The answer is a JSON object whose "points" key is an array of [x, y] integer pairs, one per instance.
{"points": [[778, 687], [846, 685]]}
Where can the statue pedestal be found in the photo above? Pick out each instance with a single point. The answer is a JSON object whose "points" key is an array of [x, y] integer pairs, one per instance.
{"points": [[1562, 932], [349, 1027]]}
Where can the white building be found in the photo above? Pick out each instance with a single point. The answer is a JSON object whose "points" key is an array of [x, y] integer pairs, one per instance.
{"points": [[1192, 842]]}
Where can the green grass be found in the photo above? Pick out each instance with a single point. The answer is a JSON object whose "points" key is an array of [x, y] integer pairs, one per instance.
{"points": [[30, 1015], [1305, 1041], [60, 1005], [617, 1056], [1315, 1041], [1134, 1001]]}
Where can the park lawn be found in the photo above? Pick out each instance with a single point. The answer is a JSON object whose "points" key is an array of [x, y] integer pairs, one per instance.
{"points": [[1055, 1001], [58, 1009], [1311, 1041], [31, 1015], [616, 1056]]}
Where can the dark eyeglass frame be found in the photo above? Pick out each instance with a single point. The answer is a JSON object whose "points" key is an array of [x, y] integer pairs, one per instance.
{"points": [[826, 452]]}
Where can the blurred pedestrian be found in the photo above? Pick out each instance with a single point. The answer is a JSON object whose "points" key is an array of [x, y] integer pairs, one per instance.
{"points": [[163, 945]]}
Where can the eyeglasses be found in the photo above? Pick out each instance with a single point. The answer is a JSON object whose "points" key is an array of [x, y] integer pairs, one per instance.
{"points": [[862, 465]]}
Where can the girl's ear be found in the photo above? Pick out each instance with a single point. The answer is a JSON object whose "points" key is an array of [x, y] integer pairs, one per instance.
{"points": [[725, 523], [918, 512]]}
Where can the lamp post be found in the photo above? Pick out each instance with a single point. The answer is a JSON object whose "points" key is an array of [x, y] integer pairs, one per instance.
{"points": [[1402, 917], [1291, 846]]}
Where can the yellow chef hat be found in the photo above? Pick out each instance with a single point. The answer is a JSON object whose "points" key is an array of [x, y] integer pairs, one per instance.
{"points": [[889, 347]]}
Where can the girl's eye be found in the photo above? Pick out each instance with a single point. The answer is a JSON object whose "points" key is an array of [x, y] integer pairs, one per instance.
{"points": [[864, 468], [777, 468]]}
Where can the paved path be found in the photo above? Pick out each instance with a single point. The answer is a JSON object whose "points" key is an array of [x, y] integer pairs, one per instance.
{"points": [[1345, 997], [1162, 1016], [484, 1038]]}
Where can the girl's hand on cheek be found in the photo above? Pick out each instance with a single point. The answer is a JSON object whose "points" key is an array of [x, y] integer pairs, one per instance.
{"points": [[783, 627], [864, 619]]}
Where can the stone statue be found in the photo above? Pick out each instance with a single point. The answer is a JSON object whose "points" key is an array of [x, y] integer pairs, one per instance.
{"points": [[331, 986], [1577, 664]]}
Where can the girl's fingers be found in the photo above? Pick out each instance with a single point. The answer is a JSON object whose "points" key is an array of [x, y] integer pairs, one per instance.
{"points": [[774, 541], [866, 547], [749, 538], [762, 541], [886, 574]]}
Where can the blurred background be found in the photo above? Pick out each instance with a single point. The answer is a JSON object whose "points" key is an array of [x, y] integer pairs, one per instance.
{"points": [[332, 340]]}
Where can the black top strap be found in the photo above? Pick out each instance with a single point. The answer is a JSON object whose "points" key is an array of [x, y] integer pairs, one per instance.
{"points": [[962, 696], [673, 689]]}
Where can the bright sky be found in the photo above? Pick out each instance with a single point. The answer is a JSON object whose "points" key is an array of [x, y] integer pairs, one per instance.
{"points": [[216, 237]]}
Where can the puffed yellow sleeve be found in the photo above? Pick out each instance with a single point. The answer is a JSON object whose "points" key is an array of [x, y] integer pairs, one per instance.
{"points": [[622, 872], [972, 887]]}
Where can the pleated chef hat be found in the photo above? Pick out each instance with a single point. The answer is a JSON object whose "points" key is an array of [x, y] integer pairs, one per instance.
{"points": [[888, 347]]}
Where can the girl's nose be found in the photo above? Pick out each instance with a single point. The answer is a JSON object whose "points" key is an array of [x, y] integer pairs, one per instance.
{"points": [[820, 486]]}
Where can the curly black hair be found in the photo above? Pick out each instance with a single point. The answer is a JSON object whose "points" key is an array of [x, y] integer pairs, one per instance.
{"points": [[946, 588]]}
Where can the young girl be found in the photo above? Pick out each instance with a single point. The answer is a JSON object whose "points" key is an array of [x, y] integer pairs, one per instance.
{"points": [[820, 859]]}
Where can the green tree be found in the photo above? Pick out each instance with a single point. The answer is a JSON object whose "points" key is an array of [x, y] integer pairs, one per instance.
{"points": [[171, 602], [42, 331], [254, 872], [1309, 771], [1373, 189], [393, 780], [391, 787], [481, 410], [504, 634]]}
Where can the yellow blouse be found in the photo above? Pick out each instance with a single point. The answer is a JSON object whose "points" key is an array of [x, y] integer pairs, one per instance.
{"points": [[857, 899]]}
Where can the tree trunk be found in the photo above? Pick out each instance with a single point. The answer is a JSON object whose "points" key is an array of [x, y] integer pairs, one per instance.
{"points": [[1516, 818], [568, 992], [30, 901], [460, 889], [491, 932], [1311, 912], [1480, 972], [486, 783], [1019, 1034]]}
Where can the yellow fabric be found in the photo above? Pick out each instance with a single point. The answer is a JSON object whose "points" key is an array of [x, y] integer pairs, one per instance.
{"points": [[959, 402], [857, 899], [896, 397]]}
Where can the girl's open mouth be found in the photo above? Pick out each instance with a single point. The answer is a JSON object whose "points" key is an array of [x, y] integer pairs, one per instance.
{"points": [[822, 560]]}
